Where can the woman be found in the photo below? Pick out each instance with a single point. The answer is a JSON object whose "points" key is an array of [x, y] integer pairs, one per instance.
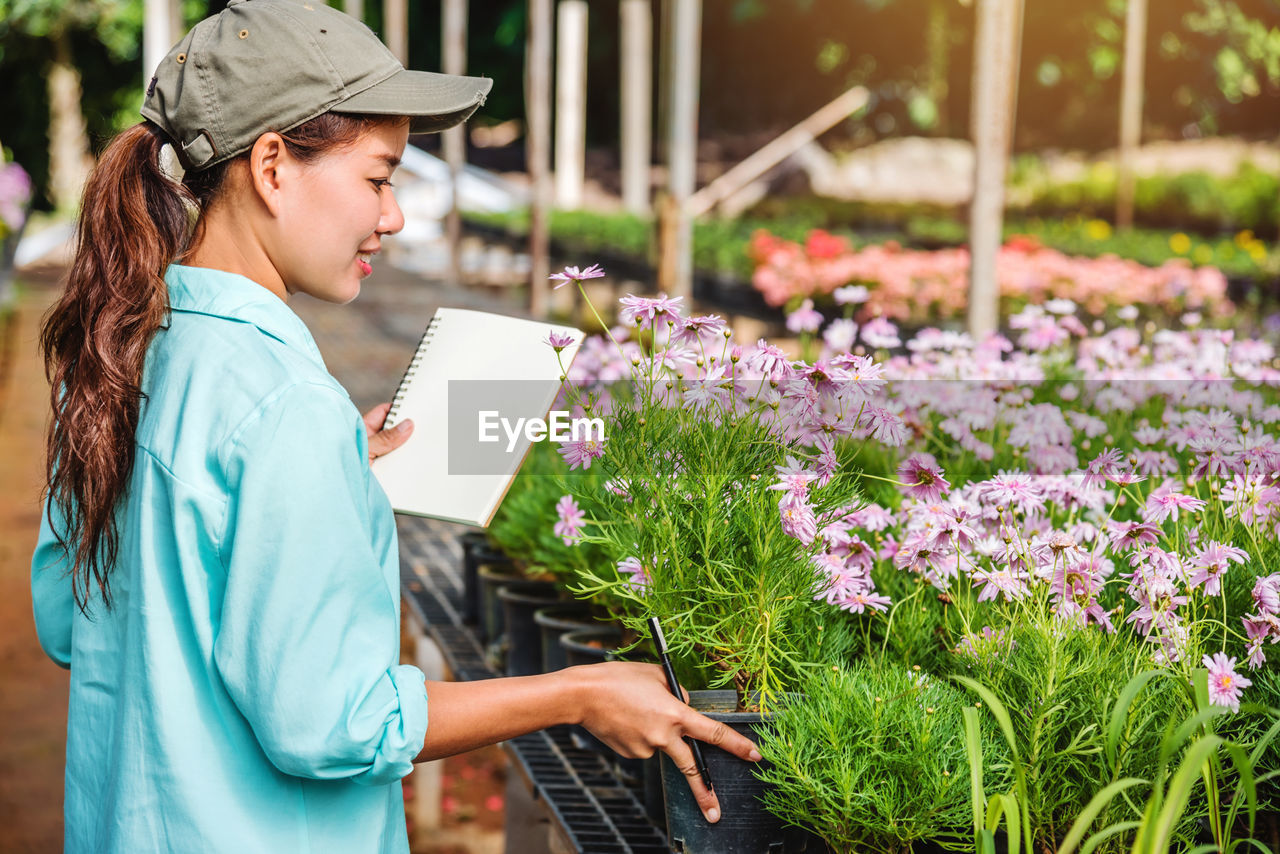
{"points": [[216, 565]]}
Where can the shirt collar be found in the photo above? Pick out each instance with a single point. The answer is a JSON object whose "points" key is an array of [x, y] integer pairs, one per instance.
{"points": [[221, 294]]}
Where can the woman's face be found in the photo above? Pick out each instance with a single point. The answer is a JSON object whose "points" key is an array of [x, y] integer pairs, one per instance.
{"points": [[333, 216]]}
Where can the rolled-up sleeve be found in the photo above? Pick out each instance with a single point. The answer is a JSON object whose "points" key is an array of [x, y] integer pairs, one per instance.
{"points": [[52, 597], [308, 636]]}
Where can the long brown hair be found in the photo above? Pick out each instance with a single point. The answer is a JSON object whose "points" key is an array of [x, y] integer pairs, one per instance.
{"points": [[134, 222]]}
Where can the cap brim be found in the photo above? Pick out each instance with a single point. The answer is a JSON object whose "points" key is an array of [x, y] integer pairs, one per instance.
{"points": [[433, 102]]}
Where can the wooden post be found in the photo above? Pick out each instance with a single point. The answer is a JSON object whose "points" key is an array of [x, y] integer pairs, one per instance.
{"points": [[682, 148], [395, 28], [538, 149], [993, 55], [779, 149], [571, 102], [454, 53], [1135, 38], [636, 20], [354, 8], [663, 124]]}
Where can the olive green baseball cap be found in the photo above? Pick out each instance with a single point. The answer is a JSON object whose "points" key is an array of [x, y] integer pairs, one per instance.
{"points": [[264, 65]]}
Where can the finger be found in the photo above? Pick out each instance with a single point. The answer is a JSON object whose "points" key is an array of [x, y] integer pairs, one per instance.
{"points": [[682, 756], [386, 441], [703, 728], [376, 417]]}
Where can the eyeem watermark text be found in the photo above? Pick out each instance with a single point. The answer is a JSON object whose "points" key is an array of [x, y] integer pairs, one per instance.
{"points": [[560, 427]]}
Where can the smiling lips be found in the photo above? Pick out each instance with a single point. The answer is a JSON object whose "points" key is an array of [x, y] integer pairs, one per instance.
{"points": [[365, 260]]}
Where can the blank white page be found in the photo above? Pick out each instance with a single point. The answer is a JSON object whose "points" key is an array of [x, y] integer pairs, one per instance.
{"points": [[469, 362]]}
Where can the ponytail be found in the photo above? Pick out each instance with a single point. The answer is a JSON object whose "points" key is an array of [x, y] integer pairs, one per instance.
{"points": [[134, 222]]}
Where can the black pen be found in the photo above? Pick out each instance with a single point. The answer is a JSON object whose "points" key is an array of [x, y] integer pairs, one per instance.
{"points": [[661, 641]]}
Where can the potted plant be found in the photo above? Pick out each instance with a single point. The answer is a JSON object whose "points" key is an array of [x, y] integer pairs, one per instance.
{"points": [[718, 504], [545, 557]]}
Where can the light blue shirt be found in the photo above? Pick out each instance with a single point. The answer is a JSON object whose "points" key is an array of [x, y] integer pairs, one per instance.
{"points": [[243, 694]]}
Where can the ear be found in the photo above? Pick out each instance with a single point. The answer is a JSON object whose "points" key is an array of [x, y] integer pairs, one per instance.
{"points": [[268, 163]]}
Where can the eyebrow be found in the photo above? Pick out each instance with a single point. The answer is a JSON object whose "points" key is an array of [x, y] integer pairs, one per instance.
{"points": [[390, 159]]}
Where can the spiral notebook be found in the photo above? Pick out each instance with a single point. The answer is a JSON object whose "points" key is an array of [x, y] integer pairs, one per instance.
{"points": [[472, 389]]}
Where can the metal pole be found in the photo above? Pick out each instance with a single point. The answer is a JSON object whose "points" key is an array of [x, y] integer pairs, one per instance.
{"points": [[1135, 38], [454, 51], [571, 102], [538, 149], [636, 18], [683, 144]]}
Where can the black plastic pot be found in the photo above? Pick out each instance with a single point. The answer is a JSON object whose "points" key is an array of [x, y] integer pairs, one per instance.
{"points": [[555, 621], [590, 646], [593, 646], [654, 803], [745, 826], [474, 591], [524, 636], [491, 577], [474, 544]]}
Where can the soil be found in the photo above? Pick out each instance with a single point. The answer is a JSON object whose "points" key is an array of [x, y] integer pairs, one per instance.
{"points": [[33, 704]]}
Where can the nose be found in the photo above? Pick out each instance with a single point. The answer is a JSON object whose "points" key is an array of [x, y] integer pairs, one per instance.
{"points": [[392, 218]]}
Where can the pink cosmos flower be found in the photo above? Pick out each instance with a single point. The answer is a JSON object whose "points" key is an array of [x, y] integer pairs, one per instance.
{"points": [[1266, 594], [557, 341], [916, 553], [1250, 498], [880, 334], [841, 334], [1211, 562], [851, 295], [805, 318], [573, 274], [1225, 685], [1013, 489], [794, 478], [798, 519], [1128, 535], [872, 517], [572, 521], [1165, 503], [1213, 456], [985, 643], [1102, 467], [696, 330], [922, 477], [1076, 587], [620, 487], [643, 311], [1257, 630], [858, 601], [1004, 579], [838, 579], [580, 454], [631, 569], [885, 426], [769, 361]]}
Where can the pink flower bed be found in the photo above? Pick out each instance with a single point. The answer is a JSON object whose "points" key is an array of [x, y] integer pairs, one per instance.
{"points": [[919, 286]]}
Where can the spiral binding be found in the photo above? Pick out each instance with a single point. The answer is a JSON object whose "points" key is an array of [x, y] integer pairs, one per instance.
{"points": [[427, 335]]}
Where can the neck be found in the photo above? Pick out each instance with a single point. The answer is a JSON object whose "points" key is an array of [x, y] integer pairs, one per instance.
{"points": [[228, 243]]}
